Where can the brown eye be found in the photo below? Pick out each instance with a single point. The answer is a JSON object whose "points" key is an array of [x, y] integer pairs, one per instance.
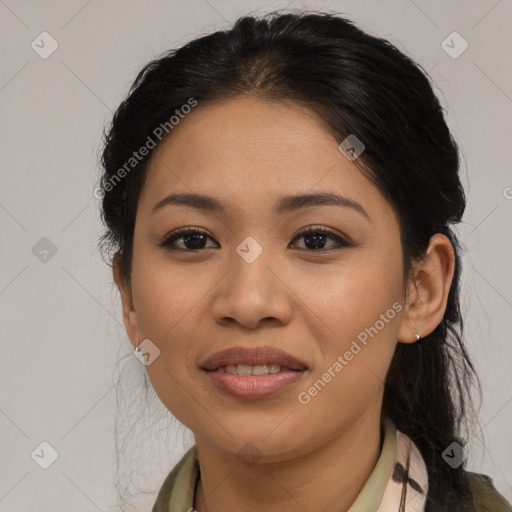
{"points": [[315, 239], [192, 240]]}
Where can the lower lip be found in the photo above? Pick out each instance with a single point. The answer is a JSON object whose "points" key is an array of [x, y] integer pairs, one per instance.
{"points": [[254, 387]]}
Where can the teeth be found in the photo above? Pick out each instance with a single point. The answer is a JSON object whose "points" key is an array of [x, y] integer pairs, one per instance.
{"points": [[260, 370], [244, 369], [247, 369]]}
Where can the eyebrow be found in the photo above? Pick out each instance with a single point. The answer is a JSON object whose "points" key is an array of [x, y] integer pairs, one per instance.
{"points": [[285, 204]]}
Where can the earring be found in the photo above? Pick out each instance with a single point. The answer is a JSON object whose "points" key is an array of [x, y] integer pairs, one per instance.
{"points": [[418, 337]]}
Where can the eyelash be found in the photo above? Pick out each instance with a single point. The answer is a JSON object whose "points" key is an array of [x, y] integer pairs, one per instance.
{"points": [[169, 240]]}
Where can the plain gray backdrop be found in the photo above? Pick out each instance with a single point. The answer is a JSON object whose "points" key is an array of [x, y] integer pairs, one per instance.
{"points": [[61, 320]]}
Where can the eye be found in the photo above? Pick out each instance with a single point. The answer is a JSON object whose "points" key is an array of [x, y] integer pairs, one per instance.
{"points": [[317, 237], [193, 240]]}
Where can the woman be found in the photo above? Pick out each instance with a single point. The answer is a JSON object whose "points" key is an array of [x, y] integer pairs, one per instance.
{"points": [[278, 198]]}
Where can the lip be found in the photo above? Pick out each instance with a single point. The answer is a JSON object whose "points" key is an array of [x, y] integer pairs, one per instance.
{"points": [[254, 356], [253, 387]]}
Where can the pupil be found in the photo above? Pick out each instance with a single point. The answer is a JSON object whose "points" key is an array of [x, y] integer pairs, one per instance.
{"points": [[318, 238], [196, 237]]}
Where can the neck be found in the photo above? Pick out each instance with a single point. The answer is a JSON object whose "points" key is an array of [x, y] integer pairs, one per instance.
{"points": [[328, 478]]}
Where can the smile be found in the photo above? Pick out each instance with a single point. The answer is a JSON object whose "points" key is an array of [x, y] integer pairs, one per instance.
{"points": [[247, 369]]}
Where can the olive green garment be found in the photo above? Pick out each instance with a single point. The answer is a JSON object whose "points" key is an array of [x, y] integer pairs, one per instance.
{"points": [[178, 490]]}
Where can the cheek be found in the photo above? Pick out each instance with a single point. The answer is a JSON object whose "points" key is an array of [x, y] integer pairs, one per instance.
{"points": [[170, 314], [367, 301], [168, 300], [362, 311], [166, 292], [361, 307], [352, 296]]}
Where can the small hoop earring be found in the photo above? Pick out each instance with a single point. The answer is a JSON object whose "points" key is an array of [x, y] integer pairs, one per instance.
{"points": [[418, 337]]}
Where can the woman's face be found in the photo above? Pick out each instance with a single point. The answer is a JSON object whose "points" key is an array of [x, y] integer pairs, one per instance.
{"points": [[332, 301]]}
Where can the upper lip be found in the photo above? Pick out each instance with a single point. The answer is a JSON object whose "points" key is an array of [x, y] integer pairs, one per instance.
{"points": [[255, 356]]}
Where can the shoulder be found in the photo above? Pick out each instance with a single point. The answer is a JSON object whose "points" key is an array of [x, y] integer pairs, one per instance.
{"points": [[485, 497], [177, 489], [480, 496]]}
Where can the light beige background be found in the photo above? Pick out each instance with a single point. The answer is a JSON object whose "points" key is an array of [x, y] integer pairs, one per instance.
{"points": [[61, 322]]}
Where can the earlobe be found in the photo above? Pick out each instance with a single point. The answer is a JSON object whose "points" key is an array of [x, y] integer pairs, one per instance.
{"points": [[428, 290], [129, 313]]}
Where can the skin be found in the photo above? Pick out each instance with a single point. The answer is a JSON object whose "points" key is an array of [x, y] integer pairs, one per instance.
{"points": [[247, 153]]}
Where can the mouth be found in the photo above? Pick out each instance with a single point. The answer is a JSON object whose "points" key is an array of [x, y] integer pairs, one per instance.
{"points": [[247, 369], [253, 373], [259, 360]]}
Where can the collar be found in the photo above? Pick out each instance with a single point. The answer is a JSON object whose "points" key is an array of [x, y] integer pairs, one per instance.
{"points": [[398, 482]]}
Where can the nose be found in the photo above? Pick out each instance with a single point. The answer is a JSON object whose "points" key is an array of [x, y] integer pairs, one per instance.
{"points": [[253, 293]]}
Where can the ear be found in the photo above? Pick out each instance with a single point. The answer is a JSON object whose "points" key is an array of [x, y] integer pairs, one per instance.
{"points": [[427, 290], [129, 314]]}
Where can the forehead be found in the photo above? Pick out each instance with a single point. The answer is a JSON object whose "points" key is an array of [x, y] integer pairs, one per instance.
{"points": [[242, 128], [247, 151]]}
